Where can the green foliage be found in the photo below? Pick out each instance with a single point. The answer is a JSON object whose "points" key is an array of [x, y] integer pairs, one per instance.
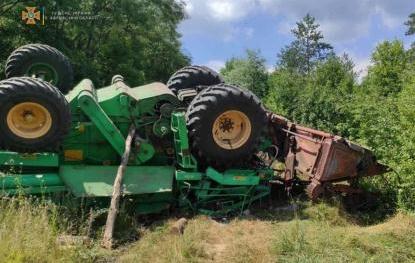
{"points": [[135, 38], [411, 24], [411, 28], [307, 49], [389, 62], [285, 89], [319, 100], [406, 161], [250, 73], [326, 96], [379, 112], [383, 112]]}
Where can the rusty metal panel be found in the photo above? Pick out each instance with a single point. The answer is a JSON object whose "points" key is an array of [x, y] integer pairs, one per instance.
{"points": [[321, 156]]}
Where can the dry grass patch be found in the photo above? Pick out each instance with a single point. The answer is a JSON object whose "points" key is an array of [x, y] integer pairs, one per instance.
{"points": [[204, 240], [327, 235], [318, 233]]}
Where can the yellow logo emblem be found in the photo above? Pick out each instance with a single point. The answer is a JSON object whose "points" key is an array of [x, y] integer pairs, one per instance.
{"points": [[30, 15]]}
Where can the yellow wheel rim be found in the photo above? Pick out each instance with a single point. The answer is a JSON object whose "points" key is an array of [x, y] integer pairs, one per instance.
{"points": [[29, 120], [231, 129]]}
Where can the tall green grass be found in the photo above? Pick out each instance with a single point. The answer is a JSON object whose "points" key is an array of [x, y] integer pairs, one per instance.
{"points": [[309, 233], [29, 229]]}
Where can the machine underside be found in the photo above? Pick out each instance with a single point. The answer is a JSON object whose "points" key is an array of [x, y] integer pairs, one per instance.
{"points": [[197, 149]]}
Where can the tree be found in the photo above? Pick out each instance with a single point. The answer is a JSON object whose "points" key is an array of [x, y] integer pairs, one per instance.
{"points": [[135, 38], [389, 63], [323, 101], [285, 88], [411, 24], [411, 30], [378, 113], [383, 112], [249, 73], [307, 49], [406, 159], [319, 100]]}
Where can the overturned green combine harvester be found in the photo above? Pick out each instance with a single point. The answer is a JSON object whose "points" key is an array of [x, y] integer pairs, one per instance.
{"points": [[199, 144]]}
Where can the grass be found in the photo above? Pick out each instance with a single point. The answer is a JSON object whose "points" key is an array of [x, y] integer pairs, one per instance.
{"points": [[29, 229], [310, 233]]}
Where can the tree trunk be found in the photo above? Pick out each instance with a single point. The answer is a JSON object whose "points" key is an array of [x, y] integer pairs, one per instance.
{"points": [[107, 241]]}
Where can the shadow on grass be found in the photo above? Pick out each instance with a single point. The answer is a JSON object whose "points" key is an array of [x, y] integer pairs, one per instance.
{"points": [[362, 209]]}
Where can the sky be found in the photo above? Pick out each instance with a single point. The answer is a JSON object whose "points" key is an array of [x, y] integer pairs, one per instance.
{"points": [[217, 30]]}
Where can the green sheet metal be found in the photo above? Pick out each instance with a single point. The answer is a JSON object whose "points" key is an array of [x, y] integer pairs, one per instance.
{"points": [[181, 141], [72, 96], [30, 180], [88, 180], [188, 176], [33, 160], [233, 177], [92, 109], [39, 183], [33, 190]]}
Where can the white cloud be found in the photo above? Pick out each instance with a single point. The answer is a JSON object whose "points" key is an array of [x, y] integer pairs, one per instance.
{"points": [[218, 18], [220, 10], [361, 64], [340, 20], [188, 8], [226, 10], [394, 13], [270, 68], [408, 43], [216, 64]]}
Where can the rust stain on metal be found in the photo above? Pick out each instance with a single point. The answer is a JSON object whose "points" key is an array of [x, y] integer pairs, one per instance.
{"points": [[322, 157]]}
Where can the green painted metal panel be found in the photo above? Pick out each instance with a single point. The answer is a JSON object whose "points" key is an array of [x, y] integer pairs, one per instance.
{"points": [[188, 176], [86, 144], [101, 119], [151, 90], [115, 100], [145, 153], [233, 177], [72, 96], [33, 190], [181, 141], [88, 180], [33, 160], [30, 180], [91, 108]]}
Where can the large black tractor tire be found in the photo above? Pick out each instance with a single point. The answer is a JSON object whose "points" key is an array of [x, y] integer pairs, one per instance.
{"points": [[193, 77], [41, 61], [225, 124], [34, 115]]}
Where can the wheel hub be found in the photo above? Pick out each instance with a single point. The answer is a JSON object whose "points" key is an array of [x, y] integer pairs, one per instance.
{"points": [[226, 125], [29, 120], [231, 129], [44, 72]]}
